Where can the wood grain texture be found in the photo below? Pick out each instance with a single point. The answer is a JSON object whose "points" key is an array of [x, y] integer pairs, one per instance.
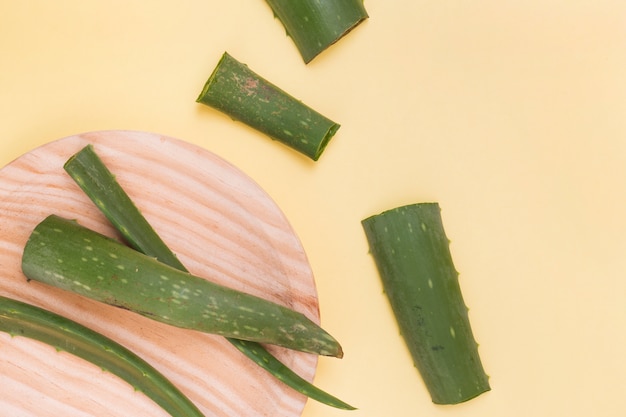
{"points": [[221, 225]]}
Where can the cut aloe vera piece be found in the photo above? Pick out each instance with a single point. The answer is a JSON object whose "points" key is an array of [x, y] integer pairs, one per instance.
{"points": [[314, 25], [412, 254], [239, 92]]}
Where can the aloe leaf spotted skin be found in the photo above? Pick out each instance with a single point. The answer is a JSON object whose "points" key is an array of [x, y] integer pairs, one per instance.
{"points": [[239, 92], [62, 253], [99, 184], [21, 319], [314, 25], [412, 254], [95, 179]]}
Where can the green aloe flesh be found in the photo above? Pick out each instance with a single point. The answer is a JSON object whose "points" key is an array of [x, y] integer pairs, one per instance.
{"points": [[64, 254], [412, 254], [236, 90], [97, 181], [22, 319], [314, 25]]}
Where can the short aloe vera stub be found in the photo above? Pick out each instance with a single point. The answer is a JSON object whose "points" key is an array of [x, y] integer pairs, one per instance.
{"points": [[314, 25], [412, 254], [236, 90]]}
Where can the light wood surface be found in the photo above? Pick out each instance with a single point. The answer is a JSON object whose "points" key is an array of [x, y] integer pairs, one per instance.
{"points": [[222, 226]]}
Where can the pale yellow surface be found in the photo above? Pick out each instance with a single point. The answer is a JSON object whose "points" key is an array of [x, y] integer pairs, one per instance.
{"points": [[510, 114]]}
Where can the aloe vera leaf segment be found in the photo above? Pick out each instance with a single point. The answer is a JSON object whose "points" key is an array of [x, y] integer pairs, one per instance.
{"points": [[412, 254], [89, 172], [314, 25], [239, 92], [98, 182], [22, 319], [64, 254]]}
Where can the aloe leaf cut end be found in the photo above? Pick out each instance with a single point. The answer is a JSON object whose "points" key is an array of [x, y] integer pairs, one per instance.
{"points": [[314, 25], [412, 254], [236, 90]]}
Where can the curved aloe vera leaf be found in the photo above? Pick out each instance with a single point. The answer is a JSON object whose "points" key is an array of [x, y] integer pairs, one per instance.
{"points": [[22, 319], [245, 96], [97, 181], [412, 254], [62, 253], [314, 25]]}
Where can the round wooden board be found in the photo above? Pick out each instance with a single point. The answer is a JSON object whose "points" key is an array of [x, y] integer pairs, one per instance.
{"points": [[222, 226]]}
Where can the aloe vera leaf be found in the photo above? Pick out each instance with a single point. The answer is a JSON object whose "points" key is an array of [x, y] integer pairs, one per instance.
{"points": [[64, 254], [99, 183], [314, 25], [21, 319], [412, 254], [268, 362], [236, 90]]}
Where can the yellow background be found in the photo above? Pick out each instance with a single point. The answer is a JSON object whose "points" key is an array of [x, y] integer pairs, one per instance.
{"points": [[510, 114]]}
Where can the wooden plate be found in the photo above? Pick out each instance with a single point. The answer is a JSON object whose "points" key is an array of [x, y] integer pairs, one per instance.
{"points": [[221, 224]]}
